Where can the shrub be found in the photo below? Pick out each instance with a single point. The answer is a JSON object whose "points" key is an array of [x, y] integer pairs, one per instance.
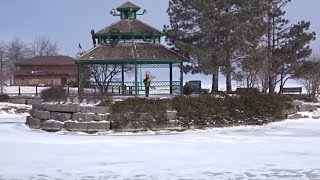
{"points": [[54, 94], [141, 109], [205, 91], [4, 98], [256, 104], [220, 109], [247, 107], [105, 102]]}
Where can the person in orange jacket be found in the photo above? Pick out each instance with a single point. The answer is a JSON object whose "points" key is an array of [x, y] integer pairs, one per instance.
{"points": [[147, 82]]}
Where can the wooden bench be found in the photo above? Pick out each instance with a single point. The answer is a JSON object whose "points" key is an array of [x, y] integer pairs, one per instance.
{"points": [[292, 90]]}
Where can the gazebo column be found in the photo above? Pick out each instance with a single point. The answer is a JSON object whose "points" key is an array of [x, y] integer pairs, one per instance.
{"points": [[181, 78], [122, 79], [136, 79], [80, 79], [170, 75]]}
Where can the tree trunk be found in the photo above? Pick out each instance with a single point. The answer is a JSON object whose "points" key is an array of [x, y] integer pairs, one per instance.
{"points": [[270, 48], [281, 84], [228, 73], [215, 80], [313, 92]]}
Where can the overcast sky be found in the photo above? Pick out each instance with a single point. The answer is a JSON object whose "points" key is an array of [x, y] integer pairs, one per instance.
{"points": [[69, 22]]}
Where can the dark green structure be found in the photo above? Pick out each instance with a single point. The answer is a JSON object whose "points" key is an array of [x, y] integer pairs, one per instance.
{"points": [[130, 43]]}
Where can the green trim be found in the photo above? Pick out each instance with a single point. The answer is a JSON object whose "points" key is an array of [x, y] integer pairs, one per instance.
{"points": [[97, 35], [129, 61], [128, 8], [136, 79], [181, 78], [170, 77]]}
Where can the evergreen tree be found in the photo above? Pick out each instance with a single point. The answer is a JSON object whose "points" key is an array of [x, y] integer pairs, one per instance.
{"points": [[214, 33], [286, 44]]}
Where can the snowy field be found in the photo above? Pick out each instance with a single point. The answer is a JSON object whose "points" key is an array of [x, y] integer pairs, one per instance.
{"points": [[283, 150]]}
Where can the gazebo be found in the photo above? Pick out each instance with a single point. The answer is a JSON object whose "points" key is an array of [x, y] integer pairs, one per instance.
{"points": [[127, 45]]}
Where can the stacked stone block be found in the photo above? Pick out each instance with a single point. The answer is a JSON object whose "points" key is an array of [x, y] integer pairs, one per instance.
{"points": [[71, 117], [90, 119]]}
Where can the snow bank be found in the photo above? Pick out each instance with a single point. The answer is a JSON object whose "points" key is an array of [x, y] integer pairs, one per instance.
{"points": [[8, 110]]}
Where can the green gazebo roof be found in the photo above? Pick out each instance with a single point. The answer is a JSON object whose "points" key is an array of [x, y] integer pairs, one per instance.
{"points": [[129, 26], [129, 53]]}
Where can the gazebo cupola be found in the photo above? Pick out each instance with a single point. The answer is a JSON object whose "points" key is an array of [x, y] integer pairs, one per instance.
{"points": [[127, 29], [127, 11]]}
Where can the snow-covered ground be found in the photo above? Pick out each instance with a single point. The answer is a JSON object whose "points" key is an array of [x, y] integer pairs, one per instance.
{"points": [[282, 150]]}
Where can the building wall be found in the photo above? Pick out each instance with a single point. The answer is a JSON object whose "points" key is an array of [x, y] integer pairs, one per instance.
{"points": [[43, 80], [71, 69], [45, 75]]}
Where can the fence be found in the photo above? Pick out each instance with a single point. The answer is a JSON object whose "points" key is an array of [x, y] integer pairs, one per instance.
{"points": [[31, 90], [127, 90]]}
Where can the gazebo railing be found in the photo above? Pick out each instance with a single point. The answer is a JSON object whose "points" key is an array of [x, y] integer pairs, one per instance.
{"points": [[128, 88]]}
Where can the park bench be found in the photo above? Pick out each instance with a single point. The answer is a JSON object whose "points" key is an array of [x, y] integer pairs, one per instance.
{"points": [[292, 90]]}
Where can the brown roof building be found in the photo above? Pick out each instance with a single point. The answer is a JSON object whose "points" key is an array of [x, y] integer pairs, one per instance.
{"points": [[46, 71]]}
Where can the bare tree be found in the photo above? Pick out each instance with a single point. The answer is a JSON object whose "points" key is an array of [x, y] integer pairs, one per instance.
{"points": [[103, 74], [253, 71], [16, 51], [2, 56], [309, 75], [43, 46]]}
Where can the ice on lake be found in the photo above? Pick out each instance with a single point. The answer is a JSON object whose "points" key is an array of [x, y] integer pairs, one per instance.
{"points": [[282, 150]]}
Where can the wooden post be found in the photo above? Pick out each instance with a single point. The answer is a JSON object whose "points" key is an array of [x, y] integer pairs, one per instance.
{"points": [[19, 91], [36, 90]]}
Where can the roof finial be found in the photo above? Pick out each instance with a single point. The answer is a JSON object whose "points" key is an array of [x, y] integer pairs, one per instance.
{"points": [[113, 11], [81, 51]]}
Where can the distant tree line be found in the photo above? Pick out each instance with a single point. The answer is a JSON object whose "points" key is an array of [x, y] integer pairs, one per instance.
{"points": [[17, 50], [249, 41]]}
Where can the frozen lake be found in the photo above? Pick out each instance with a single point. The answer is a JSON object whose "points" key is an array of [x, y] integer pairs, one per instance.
{"points": [[283, 150]]}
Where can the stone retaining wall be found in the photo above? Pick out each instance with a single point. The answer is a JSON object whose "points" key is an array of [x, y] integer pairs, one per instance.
{"points": [[298, 107], [76, 118], [25, 100]]}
